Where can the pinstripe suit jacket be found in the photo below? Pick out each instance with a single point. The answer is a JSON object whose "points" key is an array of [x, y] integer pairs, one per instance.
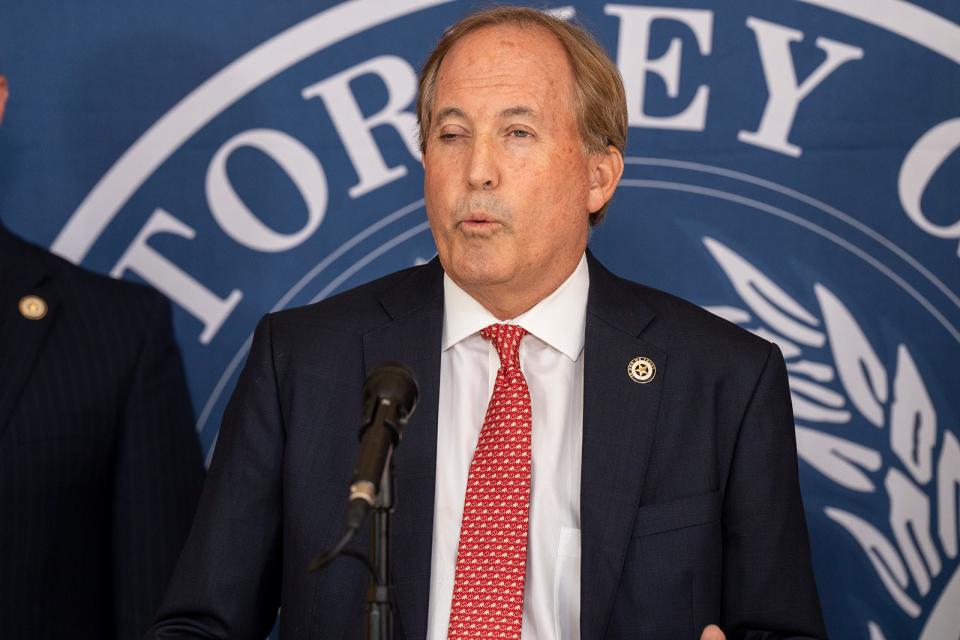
{"points": [[100, 468], [690, 505]]}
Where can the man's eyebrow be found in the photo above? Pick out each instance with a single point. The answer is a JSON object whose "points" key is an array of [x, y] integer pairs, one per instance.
{"points": [[450, 112], [520, 110], [510, 112]]}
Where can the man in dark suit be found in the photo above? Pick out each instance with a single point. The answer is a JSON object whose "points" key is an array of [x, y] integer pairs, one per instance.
{"points": [[662, 488], [100, 468]]}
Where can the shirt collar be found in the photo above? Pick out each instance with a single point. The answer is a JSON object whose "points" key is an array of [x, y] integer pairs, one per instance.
{"points": [[559, 320]]}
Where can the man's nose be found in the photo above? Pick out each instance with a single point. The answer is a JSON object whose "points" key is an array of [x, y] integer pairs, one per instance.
{"points": [[483, 171]]}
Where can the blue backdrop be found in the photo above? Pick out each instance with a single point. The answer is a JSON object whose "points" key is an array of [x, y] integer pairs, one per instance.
{"points": [[792, 166]]}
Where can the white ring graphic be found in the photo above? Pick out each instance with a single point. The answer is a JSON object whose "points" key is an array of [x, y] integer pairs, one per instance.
{"points": [[802, 222], [813, 202], [904, 19]]}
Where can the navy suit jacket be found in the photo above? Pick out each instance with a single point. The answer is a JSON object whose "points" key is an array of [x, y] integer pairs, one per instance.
{"points": [[690, 505], [100, 468]]}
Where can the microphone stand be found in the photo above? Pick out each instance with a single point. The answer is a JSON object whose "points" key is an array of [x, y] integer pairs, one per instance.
{"points": [[378, 603], [390, 395], [379, 600]]}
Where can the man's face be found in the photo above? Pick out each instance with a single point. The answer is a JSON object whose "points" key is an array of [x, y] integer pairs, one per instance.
{"points": [[507, 177]]}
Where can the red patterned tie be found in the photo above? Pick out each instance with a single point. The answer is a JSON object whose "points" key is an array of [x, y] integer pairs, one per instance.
{"points": [[492, 556]]}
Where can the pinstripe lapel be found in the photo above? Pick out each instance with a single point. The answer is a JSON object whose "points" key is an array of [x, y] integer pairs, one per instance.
{"points": [[619, 419], [23, 273], [413, 337]]}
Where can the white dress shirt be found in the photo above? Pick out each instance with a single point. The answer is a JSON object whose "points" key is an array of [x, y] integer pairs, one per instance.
{"points": [[551, 359]]}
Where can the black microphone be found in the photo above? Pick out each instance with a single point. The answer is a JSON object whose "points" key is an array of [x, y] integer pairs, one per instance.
{"points": [[389, 397]]}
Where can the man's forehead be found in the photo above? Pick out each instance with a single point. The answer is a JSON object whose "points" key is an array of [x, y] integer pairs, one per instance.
{"points": [[521, 66], [505, 43]]}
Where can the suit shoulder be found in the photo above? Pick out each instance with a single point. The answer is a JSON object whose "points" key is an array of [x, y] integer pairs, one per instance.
{"points": [[688, 324], [354, 311], [704, 347], [82, 288]]}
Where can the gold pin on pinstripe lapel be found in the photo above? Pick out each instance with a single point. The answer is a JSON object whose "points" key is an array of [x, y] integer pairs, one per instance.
{"points": [[33, 307], [641, 370]]}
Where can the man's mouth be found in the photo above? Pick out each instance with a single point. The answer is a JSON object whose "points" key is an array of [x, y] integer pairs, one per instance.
{"points": [[479, 223]]}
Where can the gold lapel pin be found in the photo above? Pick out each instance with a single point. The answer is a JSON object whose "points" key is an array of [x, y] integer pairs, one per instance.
{"points": [[33, 307], [641, 370]]}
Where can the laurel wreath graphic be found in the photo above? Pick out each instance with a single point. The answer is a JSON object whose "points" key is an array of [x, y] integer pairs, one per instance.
{"points": [[905, 475]]}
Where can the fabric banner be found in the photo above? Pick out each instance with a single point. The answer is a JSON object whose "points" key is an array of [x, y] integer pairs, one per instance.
{"points": [[792, 166]]}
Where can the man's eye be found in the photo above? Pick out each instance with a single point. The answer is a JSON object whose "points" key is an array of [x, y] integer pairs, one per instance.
{"points": [[519, 133], [449, 136]]}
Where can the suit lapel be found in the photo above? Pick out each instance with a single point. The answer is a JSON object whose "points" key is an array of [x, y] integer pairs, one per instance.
{"points": [[413, 337], [23, 273], [619, 420]]}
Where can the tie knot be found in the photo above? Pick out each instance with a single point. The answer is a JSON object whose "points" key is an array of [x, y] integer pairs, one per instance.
{"points": [[506, 340]]}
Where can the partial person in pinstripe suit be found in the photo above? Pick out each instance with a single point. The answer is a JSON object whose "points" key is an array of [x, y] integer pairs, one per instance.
{"points": [[100, 469]]}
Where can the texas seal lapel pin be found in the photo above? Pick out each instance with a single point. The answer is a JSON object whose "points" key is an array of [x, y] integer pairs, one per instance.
{"points": [[33, 307], [641, 370]]}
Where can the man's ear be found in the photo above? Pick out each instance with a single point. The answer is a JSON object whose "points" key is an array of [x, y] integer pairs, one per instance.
{"points": [[4, 92], [605, 171]]}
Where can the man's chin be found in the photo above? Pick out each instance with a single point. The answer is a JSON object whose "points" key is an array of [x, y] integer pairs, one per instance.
{"points": [[471, 272]]}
